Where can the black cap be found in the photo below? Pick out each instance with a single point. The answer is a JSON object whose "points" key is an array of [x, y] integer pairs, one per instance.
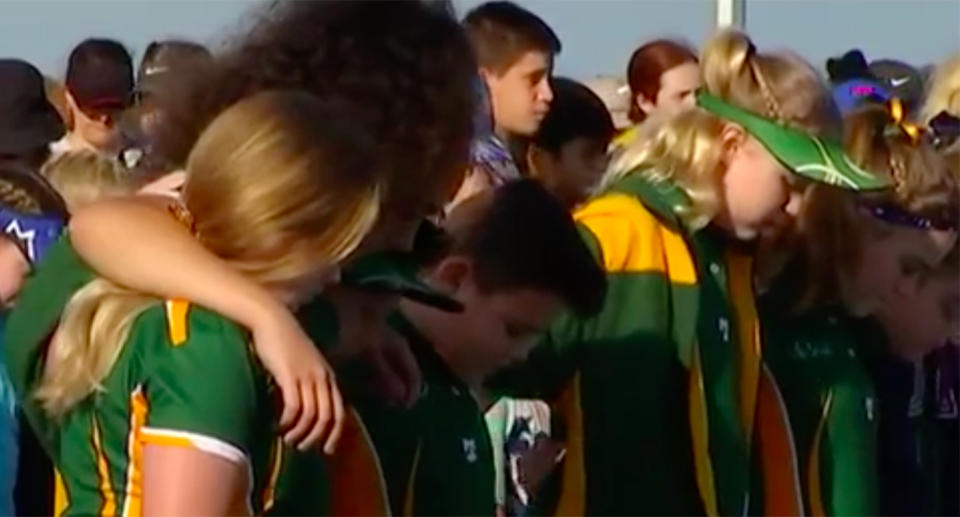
{"points": [[162, 57], [900, 79], [27, 119], [100, 76]]}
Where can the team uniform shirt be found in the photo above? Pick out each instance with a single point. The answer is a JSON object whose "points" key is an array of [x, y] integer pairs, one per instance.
{"points": [[436, 457], [185, 377], [823, 391], [432, 459], [657, 393]]}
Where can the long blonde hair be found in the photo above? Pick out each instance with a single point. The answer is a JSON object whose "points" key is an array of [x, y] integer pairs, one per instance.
{"points": [[944, 91], [85, 176], [685, 149], [279, 185]]}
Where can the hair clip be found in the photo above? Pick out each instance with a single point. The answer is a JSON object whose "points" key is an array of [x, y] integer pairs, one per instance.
{"points": [[944, 129], [892, 214]]}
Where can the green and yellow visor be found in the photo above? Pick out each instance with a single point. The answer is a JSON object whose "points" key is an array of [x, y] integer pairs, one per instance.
{"points": [[809, 156]]}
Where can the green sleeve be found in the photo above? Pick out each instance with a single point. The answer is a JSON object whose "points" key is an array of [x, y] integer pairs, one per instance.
{"points": [[848, 456], [208, 386], [32, 321], [37, 311]]}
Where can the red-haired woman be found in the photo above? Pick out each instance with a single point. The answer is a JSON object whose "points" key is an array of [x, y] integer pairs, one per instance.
{"points": [[663, 76]]}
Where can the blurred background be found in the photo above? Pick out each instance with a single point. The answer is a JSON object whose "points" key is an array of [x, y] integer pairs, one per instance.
{"points": [[598, 35]]}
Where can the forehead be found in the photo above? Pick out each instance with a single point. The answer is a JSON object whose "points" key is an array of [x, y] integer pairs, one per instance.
{"points": [[584, 146], [530, 61], [681, 77], [528, 307]]}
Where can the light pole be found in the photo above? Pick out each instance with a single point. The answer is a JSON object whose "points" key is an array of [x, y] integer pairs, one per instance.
{"points": [[731, 13]]}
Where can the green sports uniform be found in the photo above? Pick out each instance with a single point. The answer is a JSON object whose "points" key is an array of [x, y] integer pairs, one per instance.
{"points": [[829, 400], [436, 457], [433, 459], [185, 377], [657, 391], [826, 399]]}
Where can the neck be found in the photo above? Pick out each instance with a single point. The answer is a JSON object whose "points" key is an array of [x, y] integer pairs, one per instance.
{"points": [[435, 326], [76, 140], [501, 133]]}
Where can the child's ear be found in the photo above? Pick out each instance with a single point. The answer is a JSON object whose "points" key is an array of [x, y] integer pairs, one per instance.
{"points": [[732, 137], [645, 104], [452, 272]]}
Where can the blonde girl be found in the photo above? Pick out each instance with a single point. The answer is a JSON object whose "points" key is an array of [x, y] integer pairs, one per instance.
{"points": [[160, 408], [659, 391]]}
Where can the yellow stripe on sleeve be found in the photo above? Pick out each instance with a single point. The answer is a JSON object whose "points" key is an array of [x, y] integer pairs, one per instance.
{"points": [[177, 321]]}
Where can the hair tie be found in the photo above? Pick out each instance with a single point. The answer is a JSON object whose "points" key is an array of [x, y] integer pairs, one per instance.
{"points": [[182, 216], [899, 123]]}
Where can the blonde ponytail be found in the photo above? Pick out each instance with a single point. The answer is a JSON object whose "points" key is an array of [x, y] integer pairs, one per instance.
{"points": [[686, 149], [279, 186], [93, 328], [944, 94]]}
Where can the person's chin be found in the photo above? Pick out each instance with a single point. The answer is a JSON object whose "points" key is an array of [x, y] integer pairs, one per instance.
{"points": [[745, 233]]}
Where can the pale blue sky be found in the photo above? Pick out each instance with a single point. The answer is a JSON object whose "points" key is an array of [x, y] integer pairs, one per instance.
{"points": [[598, 35]]}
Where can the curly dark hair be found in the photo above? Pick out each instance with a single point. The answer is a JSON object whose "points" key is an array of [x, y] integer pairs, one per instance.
{"points": [[404, 67]]}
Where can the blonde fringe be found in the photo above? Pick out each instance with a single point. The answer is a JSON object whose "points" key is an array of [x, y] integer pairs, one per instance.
{"points": [[94, 326]]}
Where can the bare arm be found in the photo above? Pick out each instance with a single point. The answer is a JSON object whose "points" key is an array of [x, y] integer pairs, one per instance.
{"points": [[135, 242], [186, 481]]}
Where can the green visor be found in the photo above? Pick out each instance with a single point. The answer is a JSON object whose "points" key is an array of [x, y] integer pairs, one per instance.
{"points": [[809, 156], [396, 272]]}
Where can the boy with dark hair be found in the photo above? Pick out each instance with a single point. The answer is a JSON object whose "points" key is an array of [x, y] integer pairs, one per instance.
{"points": [[514, 260], [515, 51], [99, 88], [569, 152]]}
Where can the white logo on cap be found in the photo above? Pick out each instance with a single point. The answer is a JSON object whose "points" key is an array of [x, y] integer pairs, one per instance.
{"points": [[897, 82]]}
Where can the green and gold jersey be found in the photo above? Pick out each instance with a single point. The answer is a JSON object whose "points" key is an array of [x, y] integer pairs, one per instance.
{"points": [[185, 378]]}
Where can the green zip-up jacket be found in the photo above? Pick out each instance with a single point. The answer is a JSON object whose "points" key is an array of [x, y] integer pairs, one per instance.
{"points": [[828, 398], [657, 391]]}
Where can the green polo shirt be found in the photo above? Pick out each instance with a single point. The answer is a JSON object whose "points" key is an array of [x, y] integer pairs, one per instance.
{"points": [[436, 457]]}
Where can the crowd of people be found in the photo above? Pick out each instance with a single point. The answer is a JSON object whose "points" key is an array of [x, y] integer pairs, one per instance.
{"points": [[367, 258]]}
